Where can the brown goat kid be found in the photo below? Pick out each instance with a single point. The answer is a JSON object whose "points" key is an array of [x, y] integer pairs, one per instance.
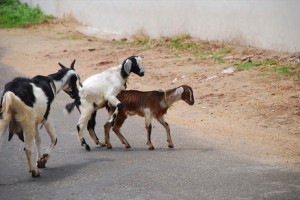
{"points": [[151, 104]]}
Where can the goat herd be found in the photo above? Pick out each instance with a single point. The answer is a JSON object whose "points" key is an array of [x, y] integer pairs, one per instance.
{"points": [[26, 103]]}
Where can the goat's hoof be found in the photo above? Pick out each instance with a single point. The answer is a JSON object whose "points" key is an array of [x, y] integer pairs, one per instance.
{"points": [[171, 146], [41, 163], [35, 173], [87, 147], [128, 146], [101, 144], [151, 148], [108, 146]]}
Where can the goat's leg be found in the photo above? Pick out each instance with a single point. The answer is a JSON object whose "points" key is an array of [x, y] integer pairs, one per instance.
{"points": [[91, 128], [117, 104], [107, 127], [167, 127], [149, 129], [38, 144], [4, 121], [121, 117], [85, 115], [30, 134], [41, 162]]}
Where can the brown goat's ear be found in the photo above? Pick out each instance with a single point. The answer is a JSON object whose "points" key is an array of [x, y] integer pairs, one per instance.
{"points": [[72, 65], [62, 66]]}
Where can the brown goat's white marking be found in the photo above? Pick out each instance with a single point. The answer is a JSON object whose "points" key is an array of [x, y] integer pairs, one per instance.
{"points": [[191, 94], [148, 118], [179, 91]]}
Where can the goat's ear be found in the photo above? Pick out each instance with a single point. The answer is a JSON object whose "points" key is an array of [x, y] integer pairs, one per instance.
{"points": [[62, 66], [72, 65], [127, 66]]}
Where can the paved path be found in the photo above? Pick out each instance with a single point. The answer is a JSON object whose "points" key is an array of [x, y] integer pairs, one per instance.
{"points": [[195, 169]]}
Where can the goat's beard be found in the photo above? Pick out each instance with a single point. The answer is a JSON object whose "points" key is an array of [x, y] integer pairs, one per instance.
{"points": [[70, 106]]}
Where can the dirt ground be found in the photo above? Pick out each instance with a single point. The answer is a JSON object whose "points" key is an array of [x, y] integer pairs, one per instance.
{"points": [[248, 112]]}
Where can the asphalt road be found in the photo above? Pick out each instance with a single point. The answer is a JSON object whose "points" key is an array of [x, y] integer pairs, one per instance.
{"points": [[194, 169]]}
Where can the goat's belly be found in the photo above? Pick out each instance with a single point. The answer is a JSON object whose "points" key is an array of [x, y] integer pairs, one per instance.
{"points": [[39, 116], [132, 113], [40, 110]]}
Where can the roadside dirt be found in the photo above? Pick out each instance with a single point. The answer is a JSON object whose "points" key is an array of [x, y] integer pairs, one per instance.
{"points": [[249, 112]]}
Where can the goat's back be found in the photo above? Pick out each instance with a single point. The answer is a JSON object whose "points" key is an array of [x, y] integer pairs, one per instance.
{"points": [[106, 83], [27, 97], [135, 102]]}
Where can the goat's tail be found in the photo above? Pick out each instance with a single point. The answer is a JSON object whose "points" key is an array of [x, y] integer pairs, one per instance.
{"points": [[70, 107], [5, 111], [13, 106]]}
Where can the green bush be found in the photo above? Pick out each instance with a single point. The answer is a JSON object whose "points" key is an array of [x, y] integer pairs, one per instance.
{"points": [[15, 14]]}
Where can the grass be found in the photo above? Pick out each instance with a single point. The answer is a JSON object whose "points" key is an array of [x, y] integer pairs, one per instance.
{"points": [[269, 62], [141, 40], [14, 14], [184, 45], [180, 42], [249, 65], [73, 36], [285, 70]]}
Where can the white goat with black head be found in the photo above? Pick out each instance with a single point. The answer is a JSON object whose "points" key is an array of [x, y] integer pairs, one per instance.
{"points": [[26, 103], [99, 89]]}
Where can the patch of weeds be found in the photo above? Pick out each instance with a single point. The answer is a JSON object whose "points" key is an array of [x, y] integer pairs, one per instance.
{"points": [[249, 65], [269, 62], [200, 54], [14, 14], [219, 60], [122, 41], [177, 55], [219, 53], [180, 42], [216, 55], [224, 51], [141, 40], [285, 70], [72, 37]]}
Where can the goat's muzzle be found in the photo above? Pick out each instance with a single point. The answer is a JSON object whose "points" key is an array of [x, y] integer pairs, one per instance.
{"points": [[190, 102]]}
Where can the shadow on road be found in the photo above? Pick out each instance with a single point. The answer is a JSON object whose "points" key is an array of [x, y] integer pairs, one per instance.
{"points": [[56, 173]]}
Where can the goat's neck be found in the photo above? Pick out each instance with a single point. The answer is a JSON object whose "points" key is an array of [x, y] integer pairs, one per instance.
{"points": [[56, 85], [171, 96]]}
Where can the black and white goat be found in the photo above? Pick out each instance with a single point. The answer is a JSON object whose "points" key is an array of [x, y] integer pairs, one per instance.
{"points": [[26, 103], [151, 104], [99, 89]]}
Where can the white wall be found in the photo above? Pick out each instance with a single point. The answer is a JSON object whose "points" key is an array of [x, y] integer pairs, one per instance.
{"points": [[269, 24]]}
